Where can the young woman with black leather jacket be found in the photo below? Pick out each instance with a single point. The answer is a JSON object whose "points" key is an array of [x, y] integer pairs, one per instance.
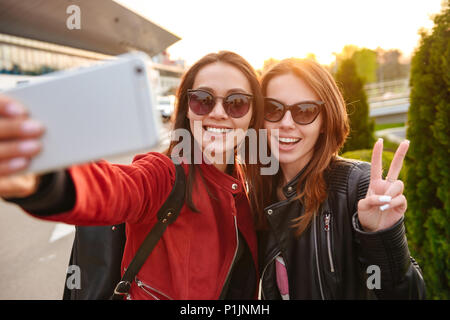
{"points": [[331, 228]]}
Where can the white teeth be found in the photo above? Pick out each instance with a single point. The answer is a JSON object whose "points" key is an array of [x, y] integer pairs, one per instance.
{"points": [[218, 130], [288, 140]]}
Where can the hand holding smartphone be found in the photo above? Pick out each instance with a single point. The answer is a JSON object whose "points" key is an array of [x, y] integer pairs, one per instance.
{"points": [[77, 116], [92, 113]]}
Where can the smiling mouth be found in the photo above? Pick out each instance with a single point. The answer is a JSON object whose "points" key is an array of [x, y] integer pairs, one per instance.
{"points": [[288, 141], [217, 130]]}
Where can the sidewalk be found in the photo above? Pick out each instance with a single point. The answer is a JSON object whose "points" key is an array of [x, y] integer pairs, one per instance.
{"points": [[395, 135]]}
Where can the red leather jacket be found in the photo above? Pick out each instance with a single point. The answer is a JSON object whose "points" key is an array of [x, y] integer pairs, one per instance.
{"points": [[194, 257]]}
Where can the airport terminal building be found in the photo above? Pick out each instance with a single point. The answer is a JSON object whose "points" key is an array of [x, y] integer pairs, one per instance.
{"points": [[36, 39]]}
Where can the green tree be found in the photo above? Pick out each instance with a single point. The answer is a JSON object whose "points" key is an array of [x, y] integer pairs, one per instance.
{"points": [[364, 59], [428, 166], [268, 64], [366, 64], [348, 51], [361, 127], [311, 56]]}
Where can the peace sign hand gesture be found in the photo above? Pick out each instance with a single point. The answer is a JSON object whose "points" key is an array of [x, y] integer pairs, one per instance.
{"points": [[384, 203]]}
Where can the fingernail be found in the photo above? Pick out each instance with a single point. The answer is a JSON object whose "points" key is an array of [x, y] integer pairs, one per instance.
{"points": [[380, 139], [17, 163], [385, 198], [14, 109], [31, 126], [28, 146], [384, 207], [407, 141]]}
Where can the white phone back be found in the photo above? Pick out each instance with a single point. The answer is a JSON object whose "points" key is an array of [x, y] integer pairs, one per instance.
{"points": [[92, 113]]}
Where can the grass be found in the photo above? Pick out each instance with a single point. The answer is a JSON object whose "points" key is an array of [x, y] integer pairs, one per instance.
{"points": [[382, 126], [389, 145]]}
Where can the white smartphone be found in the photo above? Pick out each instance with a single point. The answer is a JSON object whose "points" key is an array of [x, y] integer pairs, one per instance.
{"points": [[92, 113]]}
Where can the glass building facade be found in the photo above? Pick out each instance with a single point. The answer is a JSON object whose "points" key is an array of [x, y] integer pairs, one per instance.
{"points": [[22, 56], [27, 57]]}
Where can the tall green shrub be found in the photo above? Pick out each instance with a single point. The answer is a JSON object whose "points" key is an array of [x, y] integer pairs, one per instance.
{"points": [[428, 160], [361, 127], [366, 64]]}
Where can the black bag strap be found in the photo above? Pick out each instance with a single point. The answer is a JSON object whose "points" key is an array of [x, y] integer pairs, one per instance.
{"points": [[167, 214]]}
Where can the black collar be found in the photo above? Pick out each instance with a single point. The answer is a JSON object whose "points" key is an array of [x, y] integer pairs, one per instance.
{"points": [[290, 189]]}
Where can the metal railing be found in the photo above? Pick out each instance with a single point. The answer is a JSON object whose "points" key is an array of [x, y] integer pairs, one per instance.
{"points": [[388, 93]]}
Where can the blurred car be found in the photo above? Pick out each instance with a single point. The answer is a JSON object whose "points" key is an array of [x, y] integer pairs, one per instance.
{"points": [[166, 106]]}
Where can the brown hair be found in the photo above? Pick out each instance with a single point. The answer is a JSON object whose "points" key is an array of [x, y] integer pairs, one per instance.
{"points": [[181, 109], [312, 189]]}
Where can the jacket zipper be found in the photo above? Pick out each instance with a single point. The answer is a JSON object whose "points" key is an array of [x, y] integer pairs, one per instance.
{"points": [[264, 271], [317, 258], [235, 253], [145, 286], [328, 232]]}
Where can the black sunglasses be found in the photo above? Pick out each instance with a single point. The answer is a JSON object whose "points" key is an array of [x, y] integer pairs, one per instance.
{"points": [[202, 102], [304, 112]]}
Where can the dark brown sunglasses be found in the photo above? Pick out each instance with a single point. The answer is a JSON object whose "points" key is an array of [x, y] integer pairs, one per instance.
{"points": [[304, 112], [236, 104]]}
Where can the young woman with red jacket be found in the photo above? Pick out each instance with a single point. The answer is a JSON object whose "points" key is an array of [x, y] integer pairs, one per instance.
{"points": [[210, 251]]}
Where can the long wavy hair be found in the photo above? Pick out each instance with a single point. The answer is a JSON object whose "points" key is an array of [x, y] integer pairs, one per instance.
{"points": [[181, 121], [312, 188]]}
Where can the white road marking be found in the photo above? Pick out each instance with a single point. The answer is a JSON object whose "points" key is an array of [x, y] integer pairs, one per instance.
{"points": [[60, 231], [47, 258]]}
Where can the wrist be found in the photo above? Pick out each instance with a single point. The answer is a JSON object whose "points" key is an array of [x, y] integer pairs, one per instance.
{"points": [[22, 186], [35, 180], [363, 226], [387, 248]]}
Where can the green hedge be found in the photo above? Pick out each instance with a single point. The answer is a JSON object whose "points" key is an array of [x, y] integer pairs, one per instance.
{"points": [[428, 163], [366, 155]]}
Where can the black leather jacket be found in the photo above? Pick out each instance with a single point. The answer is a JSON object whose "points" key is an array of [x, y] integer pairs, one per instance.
{"points": [[330, 259]]}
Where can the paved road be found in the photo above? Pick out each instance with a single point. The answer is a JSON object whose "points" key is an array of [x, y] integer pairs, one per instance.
{"points": [[394, 134], [34, 254], [31, 266]]}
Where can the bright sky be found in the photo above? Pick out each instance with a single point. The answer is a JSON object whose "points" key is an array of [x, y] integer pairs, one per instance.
{"points": [[261, 29]]}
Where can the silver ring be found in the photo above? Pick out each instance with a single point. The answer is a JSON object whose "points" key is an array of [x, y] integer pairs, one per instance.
{"points": [[390, 180]]}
